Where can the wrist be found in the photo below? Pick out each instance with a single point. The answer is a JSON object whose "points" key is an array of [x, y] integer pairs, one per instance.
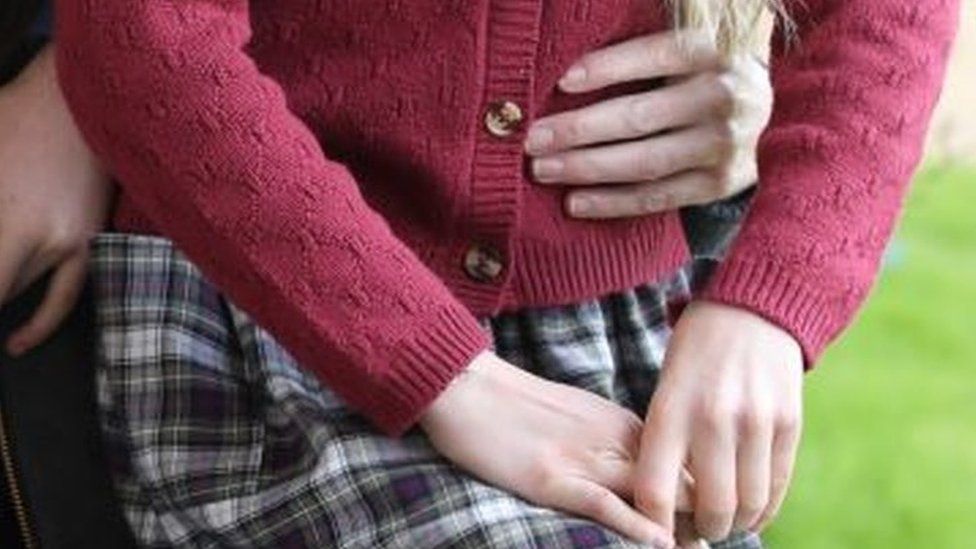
{"points": [[455, 390], [744, 320]]}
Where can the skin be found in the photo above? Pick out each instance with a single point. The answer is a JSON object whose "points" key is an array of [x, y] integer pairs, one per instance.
{"points": [[728, 408], [690, 142], [725, 420], [555, 445], [53, 198]]}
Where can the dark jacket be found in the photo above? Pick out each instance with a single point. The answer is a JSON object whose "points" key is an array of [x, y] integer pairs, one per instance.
{"points": [[55, 490]]}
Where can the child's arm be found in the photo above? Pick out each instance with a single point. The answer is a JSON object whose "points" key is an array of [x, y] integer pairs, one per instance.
{"points": [[854, 97], [206, 146]]}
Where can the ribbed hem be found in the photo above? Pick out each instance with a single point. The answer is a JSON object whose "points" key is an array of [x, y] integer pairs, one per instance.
{"points": [[778, 295], [586, 268], [424, 366]]}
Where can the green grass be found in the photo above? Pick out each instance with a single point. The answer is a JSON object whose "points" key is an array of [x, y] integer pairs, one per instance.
{"points": [[889, 452]]}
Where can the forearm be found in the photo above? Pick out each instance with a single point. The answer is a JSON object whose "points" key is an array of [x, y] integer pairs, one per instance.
{"points": [[207, 148], [854, 96]]}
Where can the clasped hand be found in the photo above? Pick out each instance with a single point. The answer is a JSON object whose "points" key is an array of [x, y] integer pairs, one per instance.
{"points": [[718, 442]]}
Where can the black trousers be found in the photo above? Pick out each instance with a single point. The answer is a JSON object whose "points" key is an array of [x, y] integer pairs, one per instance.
{"points": [[48, 406]]}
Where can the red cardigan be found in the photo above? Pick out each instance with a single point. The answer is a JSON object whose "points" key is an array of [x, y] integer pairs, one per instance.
{"points": [[351, 173]]}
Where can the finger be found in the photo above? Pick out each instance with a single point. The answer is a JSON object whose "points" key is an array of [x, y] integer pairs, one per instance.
{"points": [[699, 147], [588, 499], [62, 293], [684, 519], [686, 189], [650, 56], [32, 268], [703, 97], [713, 465], [13, 254], [684, 532], [753, 469], [785, 444], [659, 466], [614, 468]]}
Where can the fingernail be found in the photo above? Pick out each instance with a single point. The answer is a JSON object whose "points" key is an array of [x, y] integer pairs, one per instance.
{"points": [[539, 140], [547, 169], [579, 205], [575, 76]]}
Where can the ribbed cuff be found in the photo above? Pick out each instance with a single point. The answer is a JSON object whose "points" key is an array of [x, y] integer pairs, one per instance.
{"points": [[780, 296], [424, 366]]}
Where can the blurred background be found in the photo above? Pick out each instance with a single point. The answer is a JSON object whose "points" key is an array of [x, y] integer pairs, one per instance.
{"points": [[889, 453]]}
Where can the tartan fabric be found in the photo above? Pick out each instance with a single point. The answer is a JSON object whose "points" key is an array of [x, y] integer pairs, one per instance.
{"points": [[217, 438]]}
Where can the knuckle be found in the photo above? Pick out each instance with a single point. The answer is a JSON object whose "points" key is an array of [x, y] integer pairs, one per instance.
{"points": [[583, 168], [649, 164], [779, 480], [787, 422], [718, 511], [724, 98], [716, 415], [752, 420], [545, 475], [724, 137], [651, 499], [750, 510], [596, 504], [715, 520], [640, 116], [721, 182], [652, 202], [577, 128]]}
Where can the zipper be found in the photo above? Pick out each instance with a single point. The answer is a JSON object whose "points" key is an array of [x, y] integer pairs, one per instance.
{"points": [[16, 496]]}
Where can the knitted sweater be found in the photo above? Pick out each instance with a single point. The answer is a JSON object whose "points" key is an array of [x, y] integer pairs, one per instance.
{"points": [[352, 173]]}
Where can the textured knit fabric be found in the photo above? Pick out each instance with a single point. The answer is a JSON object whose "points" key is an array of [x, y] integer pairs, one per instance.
{"points": [[218, 439], [327, 165]]}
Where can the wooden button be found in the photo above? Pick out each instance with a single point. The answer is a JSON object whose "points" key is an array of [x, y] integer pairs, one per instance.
{"points": [[503, 118], [483, 263]]}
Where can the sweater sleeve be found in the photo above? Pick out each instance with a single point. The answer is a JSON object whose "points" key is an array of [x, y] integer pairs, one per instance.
{"points": [[854, 95], [206, 147]]}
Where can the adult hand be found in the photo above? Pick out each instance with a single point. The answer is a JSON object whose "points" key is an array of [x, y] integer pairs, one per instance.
{"points": [[53, 198], [728, 408], [691, 141], [553, 444]]}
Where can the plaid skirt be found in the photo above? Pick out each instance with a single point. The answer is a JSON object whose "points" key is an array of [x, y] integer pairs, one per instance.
{"points": [[217, 438]]}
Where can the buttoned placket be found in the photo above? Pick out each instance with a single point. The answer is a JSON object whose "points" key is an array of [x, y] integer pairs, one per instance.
{"points": [[512, 42]]}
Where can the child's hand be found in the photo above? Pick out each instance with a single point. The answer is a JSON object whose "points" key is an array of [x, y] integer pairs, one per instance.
{"points": [[728, 408], [53, 198], [553, 444], [692, 141]]}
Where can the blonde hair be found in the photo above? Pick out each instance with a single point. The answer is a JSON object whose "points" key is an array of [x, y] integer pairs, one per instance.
{"points": [[734, 26]]}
